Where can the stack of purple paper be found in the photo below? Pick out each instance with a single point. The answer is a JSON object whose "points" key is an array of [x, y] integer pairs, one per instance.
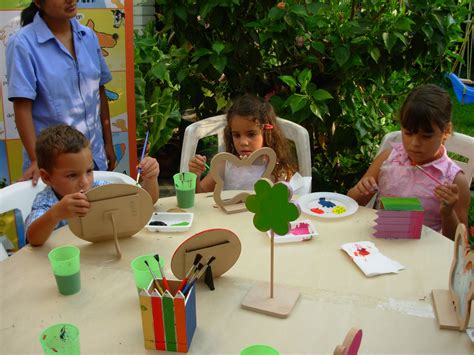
{"points": [[400, 218]]}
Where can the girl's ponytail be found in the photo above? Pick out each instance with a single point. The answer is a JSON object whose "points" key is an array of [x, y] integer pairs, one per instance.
{"points": [[28, 14]]}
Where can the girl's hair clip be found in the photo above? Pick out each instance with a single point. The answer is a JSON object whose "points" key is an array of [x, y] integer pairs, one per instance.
{"points": [[267, 126]]}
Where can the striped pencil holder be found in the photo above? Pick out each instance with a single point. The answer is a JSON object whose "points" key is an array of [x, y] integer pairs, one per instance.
{"points": [[168, 320]]}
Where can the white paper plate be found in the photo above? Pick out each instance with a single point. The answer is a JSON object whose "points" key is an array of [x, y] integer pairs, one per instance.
{"points": [[327, 205], [175, 222], [296, 236]]}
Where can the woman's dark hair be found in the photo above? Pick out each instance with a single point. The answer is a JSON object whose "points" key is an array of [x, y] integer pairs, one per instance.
{"points": [[28, 13], [425, 106]]}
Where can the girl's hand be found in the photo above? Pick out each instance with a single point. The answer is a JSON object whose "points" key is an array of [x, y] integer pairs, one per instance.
{"points": [[196, 165], [150, 169], [366, 186], [448, 195]]}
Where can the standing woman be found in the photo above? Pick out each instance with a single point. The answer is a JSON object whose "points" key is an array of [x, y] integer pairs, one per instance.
{"points": [[56, 75]]}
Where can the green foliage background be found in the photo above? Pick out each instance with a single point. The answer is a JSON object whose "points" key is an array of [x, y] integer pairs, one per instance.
{"points": [[340, 68]]}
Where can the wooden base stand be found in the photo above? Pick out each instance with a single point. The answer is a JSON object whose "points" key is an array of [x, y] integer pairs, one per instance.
{"points": [[445, 312], [258, 300]]}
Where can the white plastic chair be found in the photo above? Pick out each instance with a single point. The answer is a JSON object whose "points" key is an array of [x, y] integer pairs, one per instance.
{"points": [[215, 126], [457, 143], [21, 195]]}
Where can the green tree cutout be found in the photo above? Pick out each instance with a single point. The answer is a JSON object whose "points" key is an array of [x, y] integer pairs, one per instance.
{"points": [[273, 210]]}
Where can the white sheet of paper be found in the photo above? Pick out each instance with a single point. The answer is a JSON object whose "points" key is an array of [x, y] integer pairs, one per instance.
{"points": [[368, 258]]}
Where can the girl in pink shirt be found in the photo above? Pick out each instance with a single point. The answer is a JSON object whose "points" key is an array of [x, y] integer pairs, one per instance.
{"points": [[425, 120]]}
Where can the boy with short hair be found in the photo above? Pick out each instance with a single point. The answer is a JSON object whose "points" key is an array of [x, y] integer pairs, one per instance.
{"points": [[65, 161]]}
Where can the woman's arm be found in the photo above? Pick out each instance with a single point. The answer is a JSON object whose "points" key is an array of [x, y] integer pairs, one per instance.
{"points": [[107, 129], [22, 108]]}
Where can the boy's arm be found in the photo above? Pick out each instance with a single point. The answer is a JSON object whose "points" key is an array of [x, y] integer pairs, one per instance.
{"points": [[41, 228], [48, 218], [451, 216], [361, 192], [150, 169]]}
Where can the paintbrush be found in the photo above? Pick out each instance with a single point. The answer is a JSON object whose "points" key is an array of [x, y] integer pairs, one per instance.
{"points": [[196, 261], [142, 156], [155, 279], [428, 175], [192, 279], [198, 274], [163, 277]]}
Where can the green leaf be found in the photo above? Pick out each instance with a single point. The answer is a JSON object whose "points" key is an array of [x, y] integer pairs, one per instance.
{"points": [[218, 62], [288, 80], [275, 13], [401, 37], [202, 52], [304, 78], [218, 47], [389, 40], [299, 10], [158, 71], [321, 95], [316, 111], [375, 54], [403, 23], [342, 55], [427, 30], [297, 102], [318, 46], [181, 13]]}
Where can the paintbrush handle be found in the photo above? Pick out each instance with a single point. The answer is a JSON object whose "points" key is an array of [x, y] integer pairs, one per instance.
{"points": [[429, 175], [182, 284]]}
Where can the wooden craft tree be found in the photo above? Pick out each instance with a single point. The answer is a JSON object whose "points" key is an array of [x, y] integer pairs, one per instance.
{"points": [[453, 306], [274, 211]]}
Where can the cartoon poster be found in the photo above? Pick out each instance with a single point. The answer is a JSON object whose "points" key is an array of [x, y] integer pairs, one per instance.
{"points": [[107, 19]]}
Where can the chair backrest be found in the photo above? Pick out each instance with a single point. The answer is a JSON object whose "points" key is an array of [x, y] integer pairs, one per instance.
{"points": [[215, 126], [112, 176], [21, 195], [457, 143]]}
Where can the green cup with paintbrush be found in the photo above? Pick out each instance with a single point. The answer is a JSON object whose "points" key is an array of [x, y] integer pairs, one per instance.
{"points": [[185, 185]]}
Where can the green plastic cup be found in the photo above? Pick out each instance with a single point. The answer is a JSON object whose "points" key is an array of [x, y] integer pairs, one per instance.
{"points": [[61, 338], [185, 185], [65, 262], [259, 349], [141, 273]]}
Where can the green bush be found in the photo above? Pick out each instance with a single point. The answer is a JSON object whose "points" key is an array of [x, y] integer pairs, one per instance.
{"points": [[340, 68]]}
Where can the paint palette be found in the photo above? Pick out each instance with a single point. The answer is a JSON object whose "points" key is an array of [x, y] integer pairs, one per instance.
{"points": [[299, 232], [327, 205], [170, 222]]}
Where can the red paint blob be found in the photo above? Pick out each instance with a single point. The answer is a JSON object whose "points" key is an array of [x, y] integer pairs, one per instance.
{"points": [[317, 210], [363, 252]]}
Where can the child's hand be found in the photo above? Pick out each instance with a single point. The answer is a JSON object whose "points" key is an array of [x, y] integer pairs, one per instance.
{"points": [[448, 195], [150, 169], [366, 186], [196, 165], [72, 205]]}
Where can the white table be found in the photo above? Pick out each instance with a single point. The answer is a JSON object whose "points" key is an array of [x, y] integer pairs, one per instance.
{"points": [[394, 311]]}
